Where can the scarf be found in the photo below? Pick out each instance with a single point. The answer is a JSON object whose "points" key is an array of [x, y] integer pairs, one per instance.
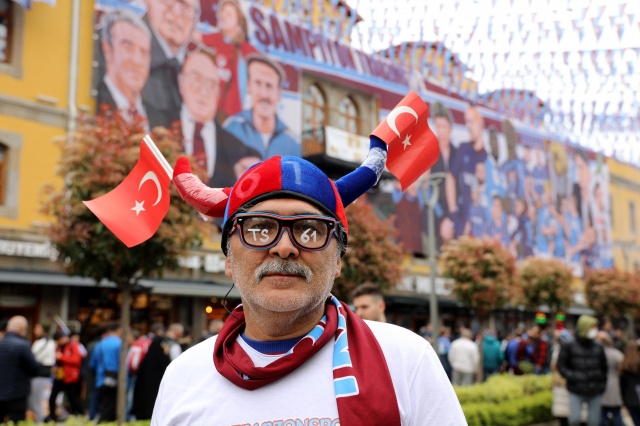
{"points": [[362, 383]]}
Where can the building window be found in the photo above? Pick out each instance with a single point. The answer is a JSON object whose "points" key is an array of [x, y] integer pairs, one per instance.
{"points": [[348, 116], [632, 217], [315, 108], [10, 153], [5, 31]]}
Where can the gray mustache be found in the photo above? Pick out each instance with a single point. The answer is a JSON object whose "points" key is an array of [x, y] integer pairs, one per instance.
{"points": [[284, 267]]}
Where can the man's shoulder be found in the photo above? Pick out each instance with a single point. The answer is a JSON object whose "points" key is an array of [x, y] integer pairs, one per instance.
{"points": [[194, 357], [391, 334], [239, 119]]}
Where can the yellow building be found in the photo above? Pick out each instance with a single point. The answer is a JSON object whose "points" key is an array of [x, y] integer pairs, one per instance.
{"points": [[625, 202]]}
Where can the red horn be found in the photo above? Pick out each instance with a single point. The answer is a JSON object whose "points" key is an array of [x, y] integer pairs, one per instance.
{"points": [[208, 201]]}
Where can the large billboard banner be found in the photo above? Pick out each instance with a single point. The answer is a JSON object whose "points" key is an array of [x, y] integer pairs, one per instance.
{"points": [[190, 63], [227, 74]]}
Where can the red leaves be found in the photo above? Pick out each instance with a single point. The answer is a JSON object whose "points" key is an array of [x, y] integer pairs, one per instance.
{"points": [[483, 272], [611, 292]]}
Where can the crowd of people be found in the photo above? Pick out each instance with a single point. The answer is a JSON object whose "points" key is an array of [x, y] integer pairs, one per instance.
{"points": [[596, 370], [56, 376]]}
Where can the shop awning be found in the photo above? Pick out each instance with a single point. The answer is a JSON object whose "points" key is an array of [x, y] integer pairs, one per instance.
{"points": [[172, 287]]}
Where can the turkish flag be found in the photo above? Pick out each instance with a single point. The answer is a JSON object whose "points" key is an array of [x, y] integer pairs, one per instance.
{"points": [[134, 210], [413, 147]]}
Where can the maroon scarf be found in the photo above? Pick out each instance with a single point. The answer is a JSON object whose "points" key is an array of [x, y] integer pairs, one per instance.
{"points": [[370, 399]]}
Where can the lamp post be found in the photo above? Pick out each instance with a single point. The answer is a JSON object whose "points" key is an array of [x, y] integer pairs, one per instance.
{"points": [[431, 194]]}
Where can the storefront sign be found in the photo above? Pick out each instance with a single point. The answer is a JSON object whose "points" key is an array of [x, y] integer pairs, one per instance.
{"points": [[28, 249], [346, 146], [214, 263]]}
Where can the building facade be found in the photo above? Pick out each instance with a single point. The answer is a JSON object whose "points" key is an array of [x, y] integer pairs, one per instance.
{"points": [[54, 59]]}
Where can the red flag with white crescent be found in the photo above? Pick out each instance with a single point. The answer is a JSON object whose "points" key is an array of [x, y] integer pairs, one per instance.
{"points": [[134, 210], [413, 147]]}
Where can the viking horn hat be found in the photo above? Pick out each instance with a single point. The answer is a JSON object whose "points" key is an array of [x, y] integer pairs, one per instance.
{"points": [[282, 177]]}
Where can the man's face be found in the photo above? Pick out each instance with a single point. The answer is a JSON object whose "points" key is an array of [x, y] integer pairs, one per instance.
{"points": [[279, 291], [443, 130], [128, 58], [474, 123], [264, 89], [369, 307], [173, 20], [582, 171], [38, 331], [199, 87]]}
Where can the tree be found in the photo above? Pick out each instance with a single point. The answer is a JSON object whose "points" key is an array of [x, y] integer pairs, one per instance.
{"points": [[483, 272], [373, 255], [545, 282], [95, 159], [612, 293]]}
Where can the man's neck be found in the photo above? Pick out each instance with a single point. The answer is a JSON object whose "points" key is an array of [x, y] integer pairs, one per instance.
{"points": [[266, 326], [266, 125], [478, 144]]}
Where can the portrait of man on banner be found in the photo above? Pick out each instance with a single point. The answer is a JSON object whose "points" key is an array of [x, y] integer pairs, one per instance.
{"points": [[142, 71]]}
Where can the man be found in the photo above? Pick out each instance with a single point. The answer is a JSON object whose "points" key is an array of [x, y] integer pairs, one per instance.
{"points": [[369, 302], [172, 23], [443, 125], [260, 128], [461, 178], [292, 353], [67, 375], [583, 363], [105, 362], [173, 335], [215, 150], [126, 43], [18, 367], [464, 356], [44, 350]]}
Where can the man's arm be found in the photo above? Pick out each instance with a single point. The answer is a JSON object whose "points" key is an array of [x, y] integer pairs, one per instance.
{"points": [[450, 192], [29, 363]]}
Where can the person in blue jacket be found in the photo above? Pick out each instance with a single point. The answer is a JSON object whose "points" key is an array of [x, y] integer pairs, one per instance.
{"points": [[259, 127]]}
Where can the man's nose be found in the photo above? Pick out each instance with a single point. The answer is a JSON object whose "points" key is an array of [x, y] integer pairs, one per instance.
{"points": [[285, 247]]}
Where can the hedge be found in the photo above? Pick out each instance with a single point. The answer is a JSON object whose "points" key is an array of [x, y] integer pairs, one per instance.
{"points": [[503, 400], [506, 400]]}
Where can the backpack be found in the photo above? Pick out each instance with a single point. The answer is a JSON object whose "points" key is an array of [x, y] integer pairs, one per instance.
{"points": [[137, 352]]}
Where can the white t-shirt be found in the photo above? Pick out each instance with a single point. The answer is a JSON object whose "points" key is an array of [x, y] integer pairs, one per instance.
{"points": [[193, 393]]}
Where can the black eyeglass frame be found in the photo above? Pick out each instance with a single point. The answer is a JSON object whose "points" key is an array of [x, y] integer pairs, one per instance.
{"points": [[284, 222]]}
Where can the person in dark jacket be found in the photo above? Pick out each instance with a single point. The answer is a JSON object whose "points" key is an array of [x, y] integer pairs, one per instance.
{"points": [[150, 375], [18, 367], [630, 380], [582, 362]]}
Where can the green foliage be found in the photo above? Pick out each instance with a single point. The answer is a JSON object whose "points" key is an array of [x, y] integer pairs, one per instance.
{"points": [[95, 159], [372, 255], [483, 272], [506, 400], [545, 282]]}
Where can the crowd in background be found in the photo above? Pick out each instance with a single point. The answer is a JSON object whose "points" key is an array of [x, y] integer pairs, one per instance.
{"points": [[56, 376], [596, 369]]}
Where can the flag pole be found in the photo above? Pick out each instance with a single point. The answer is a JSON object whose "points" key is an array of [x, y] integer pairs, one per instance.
{"points": [[165, 164]]}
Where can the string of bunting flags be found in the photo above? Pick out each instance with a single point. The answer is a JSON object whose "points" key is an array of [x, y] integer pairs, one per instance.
{"points": [[571, 66]]}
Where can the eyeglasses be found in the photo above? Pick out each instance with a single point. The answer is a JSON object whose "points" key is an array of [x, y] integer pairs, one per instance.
{"points": [[262, 231]]}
